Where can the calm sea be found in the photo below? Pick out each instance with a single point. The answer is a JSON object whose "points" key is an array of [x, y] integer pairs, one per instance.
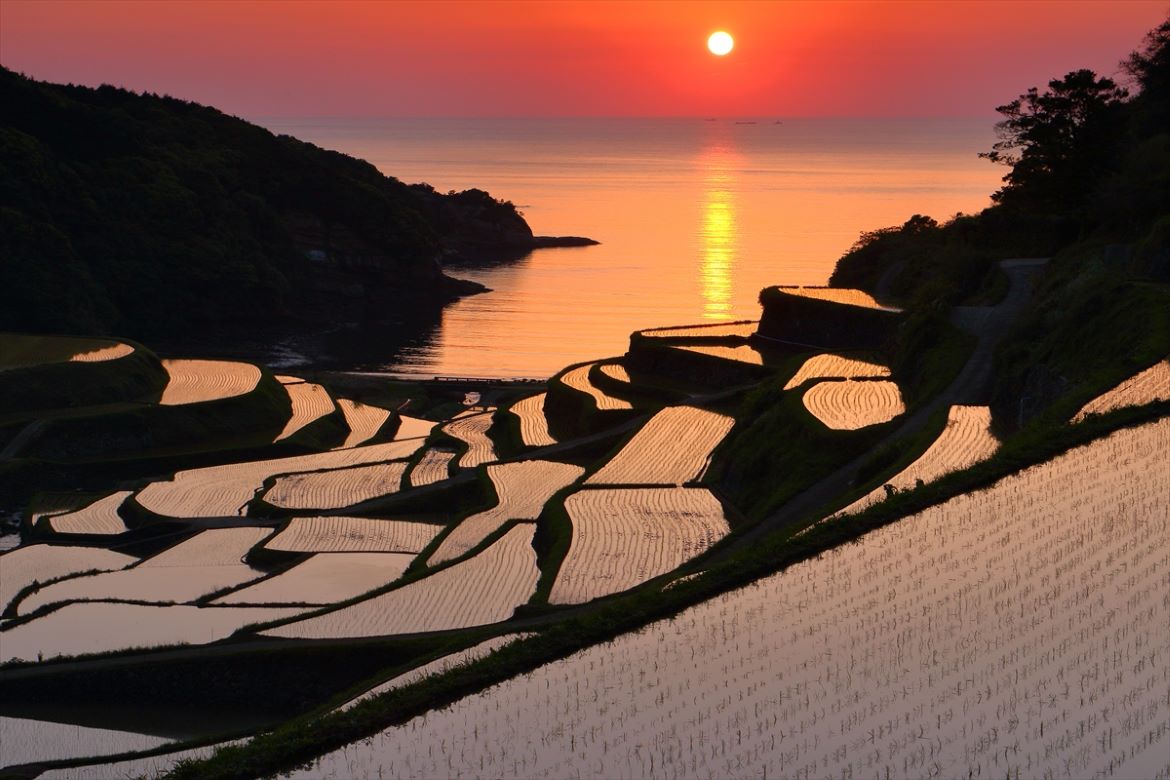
{"points": [[694, 217]]}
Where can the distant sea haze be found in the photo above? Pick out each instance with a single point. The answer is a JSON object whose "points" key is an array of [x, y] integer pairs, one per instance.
{"points": [[695, 216]]}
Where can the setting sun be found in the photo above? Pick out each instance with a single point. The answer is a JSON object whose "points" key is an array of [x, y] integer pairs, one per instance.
{"points": [[720, 43]]}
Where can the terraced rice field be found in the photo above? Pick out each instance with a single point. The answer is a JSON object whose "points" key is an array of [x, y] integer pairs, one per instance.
{"points": [[438, 666], [839, 295], [98, 627], [413, 428], [23, 351], [364, 421], [471, 427], [741, 354], [624, 537], [850, 405], [674, 447], [353, 534], [100, 517], [209, 561], [1019, 631], [533, 424], [829, 366], [484, 589], [325, 578], [523, 489], [434, 466], [310, 402], [1146, 387], [196, 381], [578, 379], [33, 563], [719, 331], [336, 488], [966, 440], [26, 741], [616, 371], [219, 491]]}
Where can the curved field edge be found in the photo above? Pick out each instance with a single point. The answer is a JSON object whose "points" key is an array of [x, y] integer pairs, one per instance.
{"points": [[296, 743]]}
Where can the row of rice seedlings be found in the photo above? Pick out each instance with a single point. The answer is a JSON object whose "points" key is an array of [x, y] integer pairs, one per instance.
{"points": [[966, 440], [336, 488], [102, 626], [28, 741], [195, 381], [35, 563], [485, 588], [720, 330], [471, 427], [413, 428], [1019, 631], [148, 767], [352, 534], [207, 562], [674, 447], [364, 421], [829, 366], [434, 466], [523, 489], [325, 578], [217, 491], [310, 402], [1145, 387], [616, 371], [438, 666], [624, 537], [100, 517], [741, 354], [838, 295], [850, 405], [19, 350], [533, 424], [578, 379]]}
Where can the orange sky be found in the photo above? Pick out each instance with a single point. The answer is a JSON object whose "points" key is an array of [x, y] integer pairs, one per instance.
{"points": [[320, 58]]}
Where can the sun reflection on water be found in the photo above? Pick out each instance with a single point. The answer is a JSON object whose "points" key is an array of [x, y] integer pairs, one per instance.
{"points": [[718, 234]]}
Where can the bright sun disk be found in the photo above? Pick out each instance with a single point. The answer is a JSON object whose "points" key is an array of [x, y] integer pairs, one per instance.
{"points": [[720, 43]]}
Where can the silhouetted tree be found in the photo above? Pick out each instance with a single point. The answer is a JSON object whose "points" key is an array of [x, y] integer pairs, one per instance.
{"points": [[1150, 69]]}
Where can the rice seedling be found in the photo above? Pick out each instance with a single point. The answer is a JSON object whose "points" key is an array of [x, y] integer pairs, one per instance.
{"points": [[483, 589], [434, 467], [195, 381], [533, 424], [674, 447], [523, 489], [1018, 631], [364, 421], [352, 534], [829, 366], [578, 379], [325, 578], [838, 295], [438, 666], [966, 440], [623, 537], [740, 354], [207, 562], [35, 563], [336, 488], [717, 331], [850, 404], [100, 626], [100, 517], [310, 402], [1145, 387], [218, 491], [27, 741], [471, 427]]}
